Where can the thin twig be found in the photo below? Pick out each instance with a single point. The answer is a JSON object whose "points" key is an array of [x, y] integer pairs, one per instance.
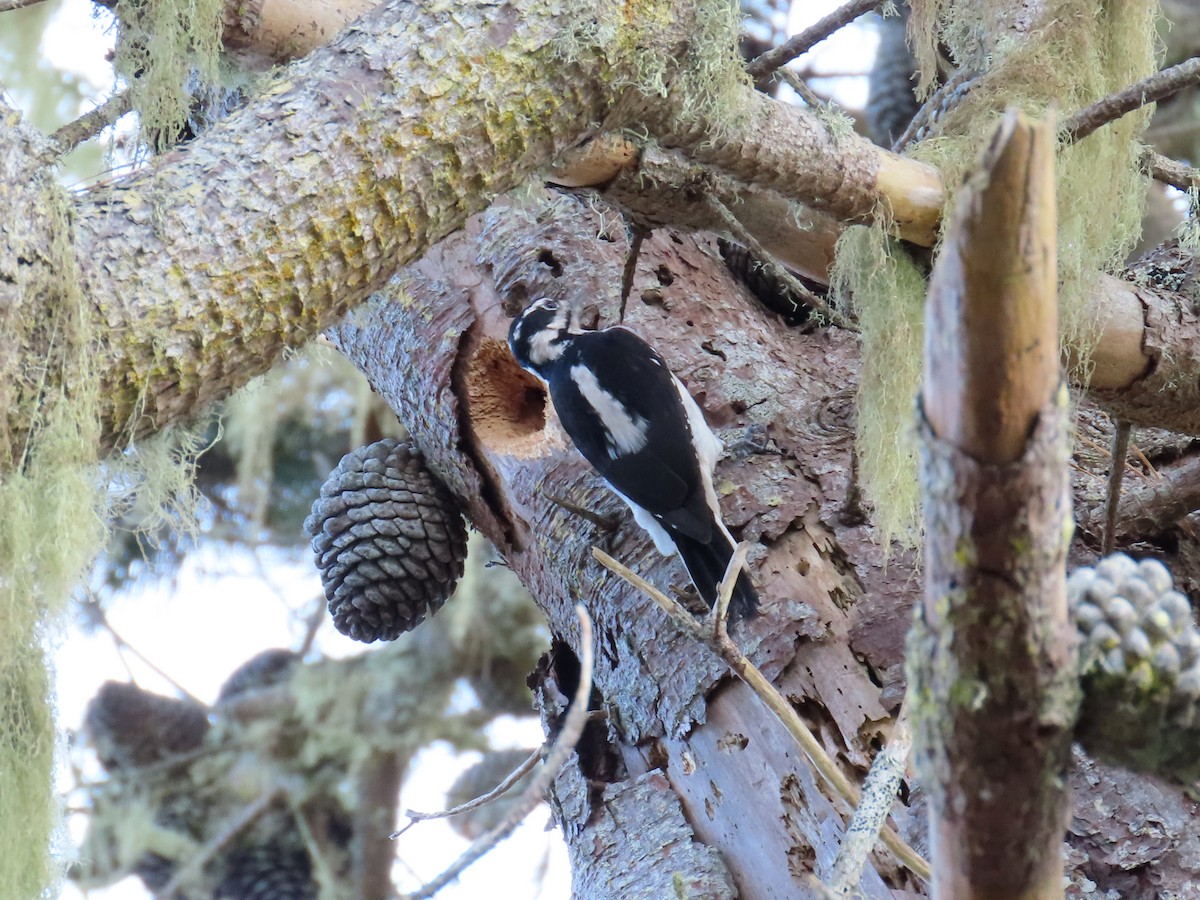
{"points": [[719, 617], [564, 746], [743, 235], [944, 99], [878, 794], [1116, 472], [495, 793], [91, 123], [234, 826], [1170, 171], [1157, 87], [800, 86], [775, 701], [809, 37], [123, 644]]}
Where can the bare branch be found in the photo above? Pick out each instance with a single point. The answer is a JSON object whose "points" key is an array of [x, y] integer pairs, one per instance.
{"points": [[1157, 87], [483, 800], [1116, 472], [810, 37], [878, 794], [564, 746], [1170, 171], [6, 5], [92, 123], [991, 654]]}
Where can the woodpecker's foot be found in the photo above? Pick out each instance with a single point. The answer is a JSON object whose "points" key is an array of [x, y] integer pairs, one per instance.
{"points": [[753, 440]]}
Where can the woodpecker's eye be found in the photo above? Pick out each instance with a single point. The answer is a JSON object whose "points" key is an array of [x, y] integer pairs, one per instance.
{"points": [[551, 305]]}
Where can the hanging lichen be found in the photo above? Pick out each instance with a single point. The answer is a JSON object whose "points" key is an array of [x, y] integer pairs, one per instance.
{"points": [[887, 292], [1078, 53], [55, 502], [168, 52]]}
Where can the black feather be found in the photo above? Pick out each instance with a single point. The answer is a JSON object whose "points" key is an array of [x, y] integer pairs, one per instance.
{"points": [[706, 564]]}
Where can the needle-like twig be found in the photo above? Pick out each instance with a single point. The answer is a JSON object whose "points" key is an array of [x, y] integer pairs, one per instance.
{"points": [[724, 646], [564, 746], [498, 791]]}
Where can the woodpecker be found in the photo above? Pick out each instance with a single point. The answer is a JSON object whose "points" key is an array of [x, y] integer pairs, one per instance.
{"points": [[638, 426]]}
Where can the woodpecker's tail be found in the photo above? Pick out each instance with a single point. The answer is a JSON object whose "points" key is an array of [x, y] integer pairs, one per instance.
{"points": [[706, 564]]}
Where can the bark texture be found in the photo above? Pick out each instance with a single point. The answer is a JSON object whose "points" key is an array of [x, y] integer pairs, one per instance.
{"points": [[781, 401], [992, 659], [835, 616], [203, 267]]}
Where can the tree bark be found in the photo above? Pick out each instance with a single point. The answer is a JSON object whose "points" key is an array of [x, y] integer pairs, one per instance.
{"points": [[993, 681], [487, 430]]}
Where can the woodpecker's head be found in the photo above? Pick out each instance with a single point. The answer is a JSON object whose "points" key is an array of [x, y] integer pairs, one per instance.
{"points": [[539, 335]]}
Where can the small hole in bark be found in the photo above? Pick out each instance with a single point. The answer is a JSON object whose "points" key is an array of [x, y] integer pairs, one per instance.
{"points": [[549, 260], [664, 276], [652, 297]]}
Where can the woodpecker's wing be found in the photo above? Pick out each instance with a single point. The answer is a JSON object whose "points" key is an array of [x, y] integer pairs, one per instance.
{"points": [[618, 401]]}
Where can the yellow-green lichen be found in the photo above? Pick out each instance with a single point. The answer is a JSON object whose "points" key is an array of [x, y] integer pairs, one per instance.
{"points": [[1079, 52], [168, 51], [887, 291]]}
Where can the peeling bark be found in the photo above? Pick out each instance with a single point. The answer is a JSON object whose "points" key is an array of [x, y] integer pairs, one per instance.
{"points": [[835, 615]]}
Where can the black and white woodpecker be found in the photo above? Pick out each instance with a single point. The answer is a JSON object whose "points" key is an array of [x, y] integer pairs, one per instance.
{"points": [[638, 426]]}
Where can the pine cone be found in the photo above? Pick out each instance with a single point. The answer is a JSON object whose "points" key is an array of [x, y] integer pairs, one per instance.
{"points": [[389, 541], [1134, 625], [131, 728], [267, 873], [1140, 668]]}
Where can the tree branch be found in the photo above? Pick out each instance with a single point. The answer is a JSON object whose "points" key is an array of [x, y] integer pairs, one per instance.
{"points": [[92, 123], [810, 37], [1158, 86], [719, 641], [991, 660], [564, 746]]}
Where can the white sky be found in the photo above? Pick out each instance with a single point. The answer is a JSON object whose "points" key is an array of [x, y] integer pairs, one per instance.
{"points": [[180, 625]]}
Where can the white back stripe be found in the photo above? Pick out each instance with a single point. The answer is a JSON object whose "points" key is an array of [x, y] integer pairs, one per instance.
{"points": [[625, 432]]}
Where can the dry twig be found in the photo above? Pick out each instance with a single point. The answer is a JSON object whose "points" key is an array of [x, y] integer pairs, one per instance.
{"points": [[498, 791], [1156, 87], [564, 746], [878, 793], [1116, 472], [1170, 171], [724, 646], [809, 37]]}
